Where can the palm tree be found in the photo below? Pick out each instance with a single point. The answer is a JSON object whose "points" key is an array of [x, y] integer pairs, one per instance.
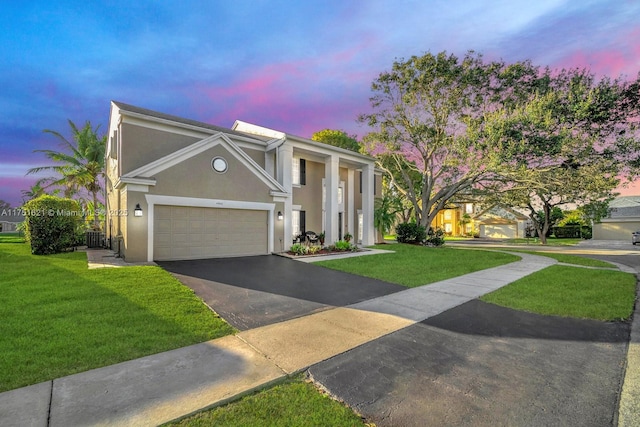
{"points": [[80, 165], [384, 214], [36, 190]]}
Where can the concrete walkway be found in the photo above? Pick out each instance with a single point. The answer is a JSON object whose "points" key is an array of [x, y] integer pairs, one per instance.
{"points": [[166, 386]]}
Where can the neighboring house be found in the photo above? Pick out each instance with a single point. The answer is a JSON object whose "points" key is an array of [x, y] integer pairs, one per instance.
{"points": [[182, 189], [10, 219], [623, 219], [456, 219], [501, 223]]}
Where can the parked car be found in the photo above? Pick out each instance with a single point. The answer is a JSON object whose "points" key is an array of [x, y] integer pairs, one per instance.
{"points": [[635, 237]]}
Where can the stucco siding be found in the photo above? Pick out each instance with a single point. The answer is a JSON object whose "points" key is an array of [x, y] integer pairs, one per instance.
{"points": [[196, 178], [142, 145], [309, 196]]}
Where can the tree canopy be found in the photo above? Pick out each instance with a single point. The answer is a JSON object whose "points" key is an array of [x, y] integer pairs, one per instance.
{"points": [[425, 116], [570, 141], [444, 127], [337, 138]]}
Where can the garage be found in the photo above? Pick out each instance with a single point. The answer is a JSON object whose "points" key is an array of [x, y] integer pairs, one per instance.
{"points": [[182, 232], [499, 231]]}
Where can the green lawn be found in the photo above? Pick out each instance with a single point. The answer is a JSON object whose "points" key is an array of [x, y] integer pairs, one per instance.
{"points": [[571, 292], [59, 318], [295, 402], [551, 241], [412, 265]]}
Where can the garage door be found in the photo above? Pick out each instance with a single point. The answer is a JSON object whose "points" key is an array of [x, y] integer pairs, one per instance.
{"points": [[193, 233], [612, 230], [498, 231]]}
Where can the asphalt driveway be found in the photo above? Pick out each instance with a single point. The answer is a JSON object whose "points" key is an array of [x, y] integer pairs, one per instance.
{"points": [[249, 292], [483, 365]]}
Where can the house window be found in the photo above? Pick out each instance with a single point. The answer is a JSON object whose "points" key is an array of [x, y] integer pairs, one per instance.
{"points": [[468, 208], [298, 219], [447, 214], [298, 171], [340, 196], [448, 227]]}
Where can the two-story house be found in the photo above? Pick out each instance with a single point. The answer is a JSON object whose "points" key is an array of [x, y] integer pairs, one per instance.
{"points": [[182, 189]]}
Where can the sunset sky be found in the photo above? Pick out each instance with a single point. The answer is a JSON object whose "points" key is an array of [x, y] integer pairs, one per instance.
{"points": [[295, 66]]}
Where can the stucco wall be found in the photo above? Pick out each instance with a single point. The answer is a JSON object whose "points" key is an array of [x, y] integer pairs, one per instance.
{"points": [[141, 145], [196, 178], [309, 196]]}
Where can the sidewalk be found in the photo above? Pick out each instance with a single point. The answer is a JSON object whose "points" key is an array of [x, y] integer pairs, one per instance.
{"points": [[166, 386]]}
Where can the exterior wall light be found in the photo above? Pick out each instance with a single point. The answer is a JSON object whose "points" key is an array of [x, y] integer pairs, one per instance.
{"points": [[138, 210], [280, 216]]}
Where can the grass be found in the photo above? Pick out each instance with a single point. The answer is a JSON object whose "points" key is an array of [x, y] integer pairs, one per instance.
{"points": [[571, 292], [412, 265], [551, 241], [295, 402], [59, 318]]}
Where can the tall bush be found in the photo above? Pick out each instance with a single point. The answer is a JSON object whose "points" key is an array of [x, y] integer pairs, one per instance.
{"points": [[410, 232], [53, 224]]}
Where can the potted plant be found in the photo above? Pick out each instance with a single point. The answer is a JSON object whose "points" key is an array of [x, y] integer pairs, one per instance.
{"points": [[321, 238], [348, 237]]}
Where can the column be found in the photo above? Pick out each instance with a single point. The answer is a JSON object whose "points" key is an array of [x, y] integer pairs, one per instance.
{"points": [[368, 237], [284, 166], [331, 182], [351, 211]]}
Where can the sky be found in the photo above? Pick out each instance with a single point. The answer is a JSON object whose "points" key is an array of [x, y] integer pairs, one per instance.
{"points": [[294, 66]]}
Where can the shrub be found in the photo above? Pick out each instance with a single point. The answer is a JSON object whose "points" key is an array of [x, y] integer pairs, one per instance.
{"points": [[300, 249], [52, 224], [410, 232], [343, 246], [435, 237]]}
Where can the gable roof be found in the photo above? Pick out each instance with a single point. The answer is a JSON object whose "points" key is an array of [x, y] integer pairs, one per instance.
{"points": [[499, 212], [219, 138], [625, 202], [171, 118]]}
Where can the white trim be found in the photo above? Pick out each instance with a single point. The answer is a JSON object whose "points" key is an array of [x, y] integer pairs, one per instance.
{"points": [[192, 150], [124, 181], [194, 202]]}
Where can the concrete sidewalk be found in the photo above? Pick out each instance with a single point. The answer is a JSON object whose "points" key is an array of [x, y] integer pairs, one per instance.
{"points": [[166, 386]]}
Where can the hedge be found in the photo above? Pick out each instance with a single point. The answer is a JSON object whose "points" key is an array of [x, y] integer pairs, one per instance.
{"points": [[52, 224]]}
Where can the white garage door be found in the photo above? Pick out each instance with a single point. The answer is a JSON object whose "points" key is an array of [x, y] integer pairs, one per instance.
{"points": [[498, 231], [194, 233]]}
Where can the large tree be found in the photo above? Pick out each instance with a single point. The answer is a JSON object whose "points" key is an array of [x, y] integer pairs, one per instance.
{"points": [[569, 142], [427, 124], [80, 164], [337, 138]]}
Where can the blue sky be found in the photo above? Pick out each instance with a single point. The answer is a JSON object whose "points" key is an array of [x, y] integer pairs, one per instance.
{"points": [[296, 66]]}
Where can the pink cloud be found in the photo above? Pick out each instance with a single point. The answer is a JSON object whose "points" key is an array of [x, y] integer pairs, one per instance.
{"points": [[299, 97], [620, 57]]}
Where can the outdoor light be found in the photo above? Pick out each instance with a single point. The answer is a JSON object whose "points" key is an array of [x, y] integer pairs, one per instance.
{"points": [[138, 210], [280, 216]]}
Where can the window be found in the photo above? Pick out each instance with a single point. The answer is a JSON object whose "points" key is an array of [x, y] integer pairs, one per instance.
{"points": [[298, 171], [295, 171], [298, 219], [340, 196], [448, 227], [447, 214], [375, 184], [468, 208], [219, 164]]}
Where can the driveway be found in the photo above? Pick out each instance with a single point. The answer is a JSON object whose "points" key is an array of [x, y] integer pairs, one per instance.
{"points": [[483, 365], [249, 292]]}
